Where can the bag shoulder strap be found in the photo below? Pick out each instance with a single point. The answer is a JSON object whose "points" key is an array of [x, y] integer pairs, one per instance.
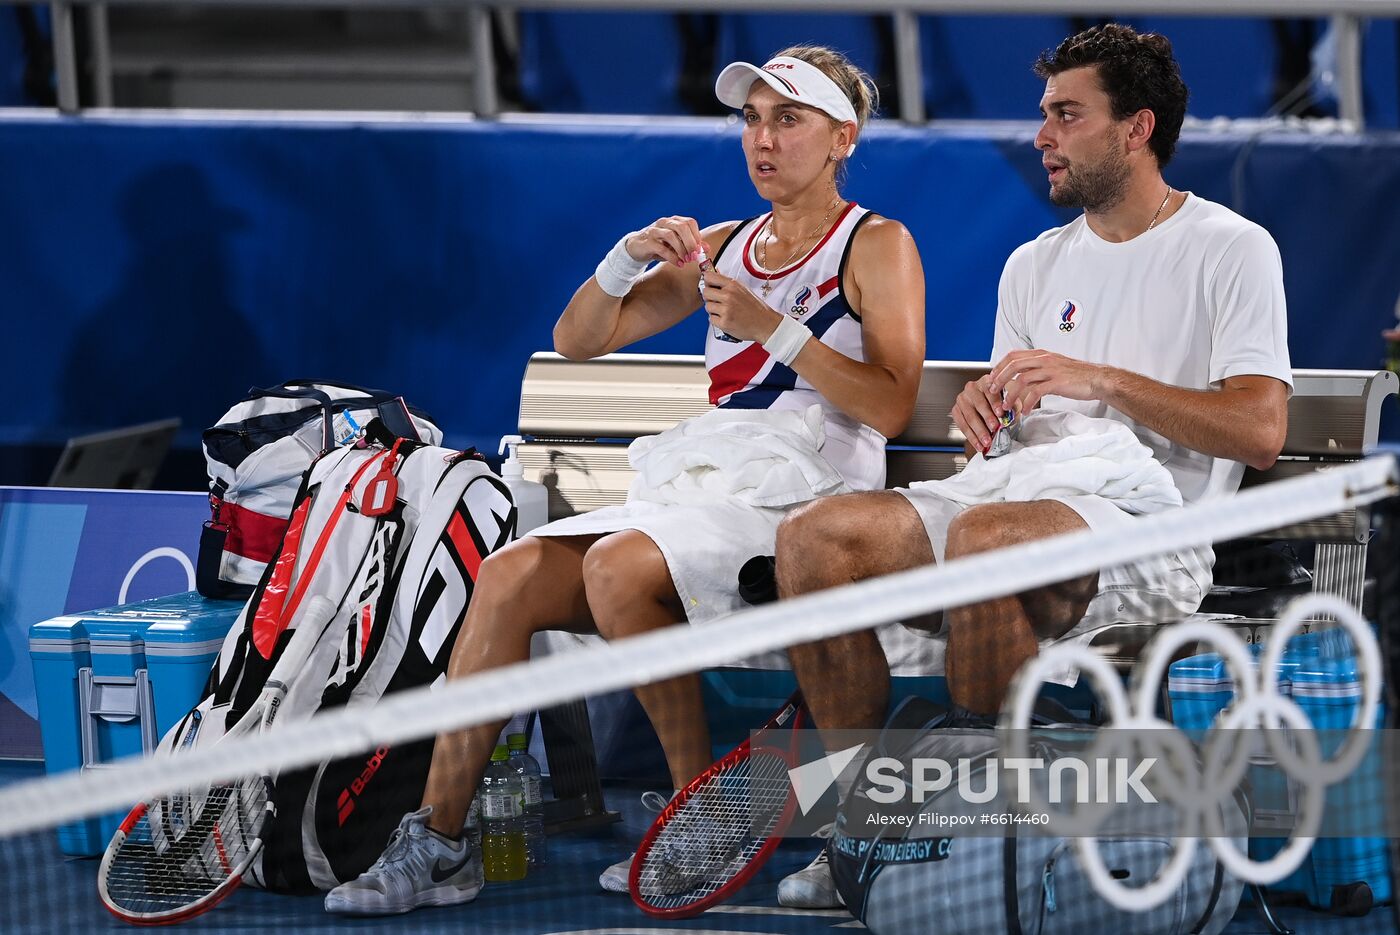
{"points": [[307, 392], [1010, 891]]}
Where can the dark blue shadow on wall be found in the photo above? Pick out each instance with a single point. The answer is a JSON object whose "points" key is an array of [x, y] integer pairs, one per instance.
{"points": [[170, 338]]}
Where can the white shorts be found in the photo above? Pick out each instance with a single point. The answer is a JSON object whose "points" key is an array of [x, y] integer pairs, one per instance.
{"points": [[1160, 589]]}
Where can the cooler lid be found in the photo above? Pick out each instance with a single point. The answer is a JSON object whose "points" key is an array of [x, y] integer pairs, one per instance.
{"points": [[58, 635], [179, 624]]}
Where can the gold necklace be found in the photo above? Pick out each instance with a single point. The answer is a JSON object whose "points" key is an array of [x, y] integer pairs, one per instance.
{"points": [[767, 286], [1159, 209]]}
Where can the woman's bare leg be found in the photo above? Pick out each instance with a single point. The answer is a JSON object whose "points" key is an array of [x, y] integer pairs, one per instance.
{"points": [[630, 592], [533, 584]]}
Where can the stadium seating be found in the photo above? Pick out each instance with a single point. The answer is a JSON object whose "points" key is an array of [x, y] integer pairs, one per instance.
{"points": [[593, 63]]}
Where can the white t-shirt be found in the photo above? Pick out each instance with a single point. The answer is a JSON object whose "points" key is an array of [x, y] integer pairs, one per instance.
{"points": [[1194, 300]]}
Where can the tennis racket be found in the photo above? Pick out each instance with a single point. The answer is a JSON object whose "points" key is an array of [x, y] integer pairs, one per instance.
{"points": [[715, 834], [179, 855]]}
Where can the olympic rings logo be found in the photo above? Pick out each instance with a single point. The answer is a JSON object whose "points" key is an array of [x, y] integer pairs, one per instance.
{"points": [[152, 555], [1199, 788]]}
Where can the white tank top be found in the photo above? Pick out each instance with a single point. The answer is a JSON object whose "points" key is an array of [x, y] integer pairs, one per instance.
{"points": [[743, 376]]}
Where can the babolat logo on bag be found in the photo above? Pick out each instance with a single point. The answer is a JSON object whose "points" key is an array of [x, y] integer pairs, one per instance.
{"points": [[345, 804]]}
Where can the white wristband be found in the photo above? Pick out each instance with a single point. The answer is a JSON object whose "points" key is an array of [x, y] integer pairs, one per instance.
{"points": [[618, 270], [786, 341]]}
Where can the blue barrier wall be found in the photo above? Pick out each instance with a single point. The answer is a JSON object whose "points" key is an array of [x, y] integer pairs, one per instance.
{"points": [[156, 268], [66, 551]]}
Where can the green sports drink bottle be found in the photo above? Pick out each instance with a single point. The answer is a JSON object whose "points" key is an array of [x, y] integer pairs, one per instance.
{"points": [[503, 853]]}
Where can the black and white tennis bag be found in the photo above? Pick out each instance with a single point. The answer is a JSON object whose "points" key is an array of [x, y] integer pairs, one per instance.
{"points": [[919, 875], [393, 536], [256, 455]]}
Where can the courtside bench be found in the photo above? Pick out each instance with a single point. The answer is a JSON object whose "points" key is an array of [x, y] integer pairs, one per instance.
{"points": [[579, 416]]}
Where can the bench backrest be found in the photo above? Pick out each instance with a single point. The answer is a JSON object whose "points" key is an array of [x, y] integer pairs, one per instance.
{"points": [[579, 416]]}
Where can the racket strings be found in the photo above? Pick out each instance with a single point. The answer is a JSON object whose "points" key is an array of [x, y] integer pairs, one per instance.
{"points": [[186, 846], [716, 833]]}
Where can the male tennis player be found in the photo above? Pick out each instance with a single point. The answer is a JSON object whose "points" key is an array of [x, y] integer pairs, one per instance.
{"points": [[1155, 308]]}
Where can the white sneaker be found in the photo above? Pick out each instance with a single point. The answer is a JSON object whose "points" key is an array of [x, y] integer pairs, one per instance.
{"points": [[614, 879], [812, 887], [419, 868]]}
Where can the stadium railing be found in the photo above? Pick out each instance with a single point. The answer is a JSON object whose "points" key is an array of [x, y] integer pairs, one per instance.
{"points": [[1345, 15]]}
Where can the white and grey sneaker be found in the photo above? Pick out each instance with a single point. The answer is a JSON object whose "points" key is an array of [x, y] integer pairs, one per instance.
{"points": [[812, 887], [419, 868], [614, 879]]}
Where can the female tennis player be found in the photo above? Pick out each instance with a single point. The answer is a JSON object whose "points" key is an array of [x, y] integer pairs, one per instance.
{"points": [[814, 352]]}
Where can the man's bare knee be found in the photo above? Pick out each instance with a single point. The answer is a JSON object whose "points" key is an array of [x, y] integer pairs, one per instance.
{"points": [[978, 529], [814, 544], [837, 540]]}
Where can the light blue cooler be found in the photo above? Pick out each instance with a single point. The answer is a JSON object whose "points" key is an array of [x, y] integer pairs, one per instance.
{"points": [[111, 682], [1199, 688], [1327, 690]]}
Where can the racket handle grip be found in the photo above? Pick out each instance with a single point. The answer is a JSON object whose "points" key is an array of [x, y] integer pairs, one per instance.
{"points": [[319, 611]]}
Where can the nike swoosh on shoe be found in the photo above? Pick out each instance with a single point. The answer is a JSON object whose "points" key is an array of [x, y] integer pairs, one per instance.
{"points": [[439, 873]]}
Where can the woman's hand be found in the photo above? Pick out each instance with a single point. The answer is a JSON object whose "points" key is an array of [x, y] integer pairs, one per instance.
{"points": [[674, 240], [977, 412], [736, 311]]}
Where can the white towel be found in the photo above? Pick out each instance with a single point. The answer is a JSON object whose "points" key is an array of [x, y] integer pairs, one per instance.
{"points": [[756, 456], [1066, 454], [711, 492]]}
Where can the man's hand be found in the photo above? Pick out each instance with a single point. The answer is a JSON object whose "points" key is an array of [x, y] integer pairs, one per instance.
{"points": [[977, 412], [1029, 376]]}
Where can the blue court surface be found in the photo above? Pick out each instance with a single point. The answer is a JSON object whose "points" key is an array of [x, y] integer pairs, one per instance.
{"points": [[57, 894]]}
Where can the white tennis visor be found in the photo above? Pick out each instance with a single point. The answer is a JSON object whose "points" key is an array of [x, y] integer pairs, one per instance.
{"points": [[793, 78]]}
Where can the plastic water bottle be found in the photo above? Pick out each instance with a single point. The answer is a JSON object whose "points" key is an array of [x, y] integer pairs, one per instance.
{"points": [[531, 499], [503, 839], [528, 768], [472, 829]]}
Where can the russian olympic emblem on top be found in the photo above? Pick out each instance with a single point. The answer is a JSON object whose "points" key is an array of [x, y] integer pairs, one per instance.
{"points": [[800, 298], [1067, 311]]}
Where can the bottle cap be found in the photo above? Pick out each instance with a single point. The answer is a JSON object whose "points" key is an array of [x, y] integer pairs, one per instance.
{"points": [[500, 753], [517, 741], [510, 467]]}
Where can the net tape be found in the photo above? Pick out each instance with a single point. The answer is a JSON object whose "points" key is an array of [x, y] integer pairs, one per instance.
{"points": [[552, 680]]}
